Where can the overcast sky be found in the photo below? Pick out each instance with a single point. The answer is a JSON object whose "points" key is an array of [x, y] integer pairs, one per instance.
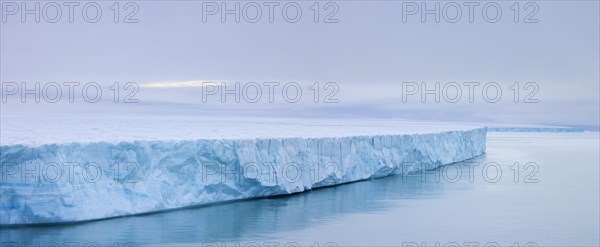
{"points": [[369, 52]]}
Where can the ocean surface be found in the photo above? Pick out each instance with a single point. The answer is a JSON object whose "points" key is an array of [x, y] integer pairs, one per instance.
{"points": [[529, 189]]}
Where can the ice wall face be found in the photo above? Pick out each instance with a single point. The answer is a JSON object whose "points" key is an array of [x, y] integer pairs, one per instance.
{"points": [[73, 182]]}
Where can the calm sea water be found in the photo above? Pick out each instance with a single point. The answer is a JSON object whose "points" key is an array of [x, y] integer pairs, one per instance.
{"points": [[529, 189]]}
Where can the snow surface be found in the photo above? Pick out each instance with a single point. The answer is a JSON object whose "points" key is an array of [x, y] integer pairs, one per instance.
{"points": [[67, 170]]}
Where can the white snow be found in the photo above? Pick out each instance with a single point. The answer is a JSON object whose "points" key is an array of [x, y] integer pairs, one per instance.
{"points": [[65, 169]]}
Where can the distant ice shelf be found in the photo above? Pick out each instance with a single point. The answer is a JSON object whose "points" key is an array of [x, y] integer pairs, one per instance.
{"points": [[94, 169], [534, 129]]}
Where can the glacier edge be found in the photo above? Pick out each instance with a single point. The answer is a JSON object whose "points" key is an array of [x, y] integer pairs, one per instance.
{"points": [[55, 183]]}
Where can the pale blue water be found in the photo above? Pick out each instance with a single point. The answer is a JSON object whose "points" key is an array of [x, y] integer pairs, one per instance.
{"points": [[559, 205]]}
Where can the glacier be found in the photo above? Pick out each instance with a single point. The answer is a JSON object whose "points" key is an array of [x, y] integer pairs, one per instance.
{"points": [[141, 167], [535, 129]]}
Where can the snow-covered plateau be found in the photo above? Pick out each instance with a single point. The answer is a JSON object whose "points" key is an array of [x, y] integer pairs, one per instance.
{"points": [[67, 170]]}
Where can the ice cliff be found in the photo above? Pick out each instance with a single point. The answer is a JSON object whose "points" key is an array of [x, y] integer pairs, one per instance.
{"points": [[77, 180]]}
